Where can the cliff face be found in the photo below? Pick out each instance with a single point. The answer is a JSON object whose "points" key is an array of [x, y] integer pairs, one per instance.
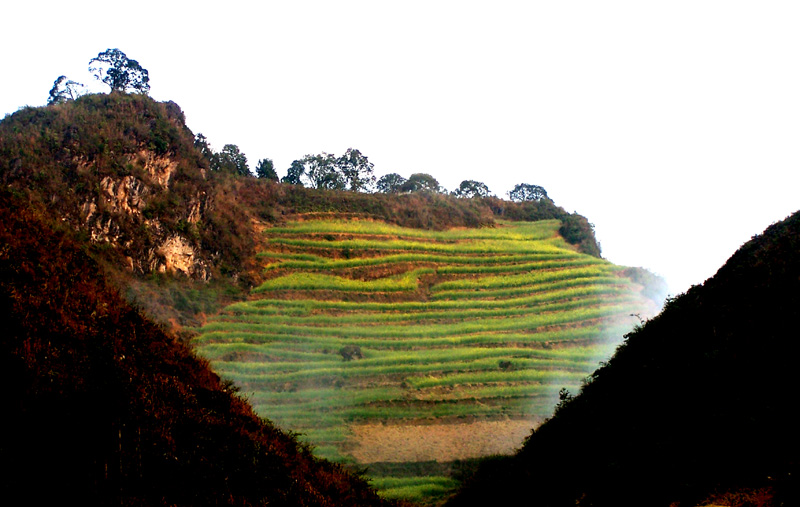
{"points": [[121, 169]]}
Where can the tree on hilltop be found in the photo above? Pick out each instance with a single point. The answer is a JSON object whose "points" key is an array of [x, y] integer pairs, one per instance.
{"points": [[526, 192], [265, 169], [64, 90], [294, 173], [421, 182], [356, 169], [119, 72], [319, 171], [391, 183], [201, 143], [471, 188], [322, 172], [351, 171], [230, 160]]}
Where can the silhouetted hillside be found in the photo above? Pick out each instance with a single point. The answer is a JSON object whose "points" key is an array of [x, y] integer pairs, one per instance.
{"points": [[701, 399], [101, 407]]}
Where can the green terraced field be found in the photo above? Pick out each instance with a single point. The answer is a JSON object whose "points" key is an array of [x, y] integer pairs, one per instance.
{"points": [[453, 328]]}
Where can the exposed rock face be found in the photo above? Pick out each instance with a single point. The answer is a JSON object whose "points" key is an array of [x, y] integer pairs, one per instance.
{"points": [[124, 170], [160, 169], [126, 195], [180, 256], [196, 209], [123, 200]]}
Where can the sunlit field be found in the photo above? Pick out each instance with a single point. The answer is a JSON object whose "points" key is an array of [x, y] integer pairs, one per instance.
{"points": [[364, 325]]}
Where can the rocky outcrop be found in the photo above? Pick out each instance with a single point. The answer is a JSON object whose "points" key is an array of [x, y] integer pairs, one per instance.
{"points": [[179, 256], [121, 169], [126, 195], [120, 206], [160, 168]]}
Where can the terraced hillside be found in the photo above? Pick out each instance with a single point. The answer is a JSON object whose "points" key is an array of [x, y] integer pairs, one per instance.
{"points": [[392, 347]]}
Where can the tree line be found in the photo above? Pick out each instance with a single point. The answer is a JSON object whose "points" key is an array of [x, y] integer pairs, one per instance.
{"points": [[354, 172], [351, 171]]}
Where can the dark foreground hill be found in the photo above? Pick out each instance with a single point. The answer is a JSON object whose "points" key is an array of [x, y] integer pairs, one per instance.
{"points": [[701, 400], [102, 407]]}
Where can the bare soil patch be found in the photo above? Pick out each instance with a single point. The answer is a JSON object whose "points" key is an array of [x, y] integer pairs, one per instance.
{"points": [[431, 442]]}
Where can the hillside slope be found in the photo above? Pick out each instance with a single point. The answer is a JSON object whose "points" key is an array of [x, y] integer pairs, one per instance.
{"points": [[384, 344], [101, 407], [700, 399], [123, 172], [121, 169], [119, 176]]}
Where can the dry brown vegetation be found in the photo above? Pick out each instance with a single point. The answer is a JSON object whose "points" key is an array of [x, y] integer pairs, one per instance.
{"points": [[440, 442], [103, 407]]}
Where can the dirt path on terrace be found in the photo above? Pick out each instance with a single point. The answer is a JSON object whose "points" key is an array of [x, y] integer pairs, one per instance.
{"points": [[442, 442]]}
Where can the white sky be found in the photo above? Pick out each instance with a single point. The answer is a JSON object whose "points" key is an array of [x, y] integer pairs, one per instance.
{"points": [[673, 126]]}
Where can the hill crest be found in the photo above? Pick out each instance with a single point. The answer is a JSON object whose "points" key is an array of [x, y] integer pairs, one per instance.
{"points": [[124, 170]]}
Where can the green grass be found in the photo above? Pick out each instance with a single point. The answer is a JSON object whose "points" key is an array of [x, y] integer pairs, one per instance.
{"points": [[519, 231], [481, 246], [415, 489], [314, 281], [531, 294], [315, 262], [532, 277], [462, 310], [476, 294], [276, 344], [555, 314], [471, 324]]}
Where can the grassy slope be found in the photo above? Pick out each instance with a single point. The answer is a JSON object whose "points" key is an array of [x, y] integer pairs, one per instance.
{"points": [[455, 327], [698, 401]]}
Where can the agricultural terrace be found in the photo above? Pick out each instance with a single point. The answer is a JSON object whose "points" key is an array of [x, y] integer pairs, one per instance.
{"points": [[384, 344]]}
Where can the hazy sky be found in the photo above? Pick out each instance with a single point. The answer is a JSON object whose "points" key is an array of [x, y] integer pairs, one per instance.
{"points": [[673, 126]]}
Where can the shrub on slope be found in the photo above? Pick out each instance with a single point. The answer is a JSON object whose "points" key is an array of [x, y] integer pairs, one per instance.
{"points": [[700, 398], [102, 407]]}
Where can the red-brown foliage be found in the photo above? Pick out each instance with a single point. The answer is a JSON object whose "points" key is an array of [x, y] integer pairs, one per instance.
{"points": [[104, 407]]}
